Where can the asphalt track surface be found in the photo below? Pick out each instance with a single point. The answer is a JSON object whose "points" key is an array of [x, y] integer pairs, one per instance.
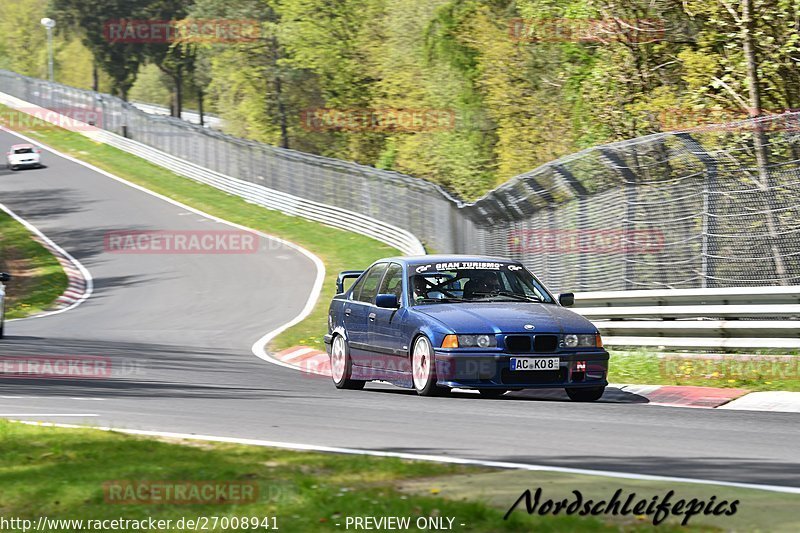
{"points": [[179, 329]]}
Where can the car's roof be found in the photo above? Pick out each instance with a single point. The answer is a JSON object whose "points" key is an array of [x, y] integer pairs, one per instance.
{"points": [[21, 146], [442, 258]]}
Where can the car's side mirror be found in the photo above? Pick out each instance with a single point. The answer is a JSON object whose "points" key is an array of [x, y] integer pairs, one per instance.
{"points": [[567, 299], [5, 277], [387, 301]]}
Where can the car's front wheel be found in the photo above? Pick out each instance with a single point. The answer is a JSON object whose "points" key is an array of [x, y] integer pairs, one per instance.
{"points": [[342, 365], [423, 368], [585, 395]]}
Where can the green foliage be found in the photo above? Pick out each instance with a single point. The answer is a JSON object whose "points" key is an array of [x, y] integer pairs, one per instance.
{"points": [[514, 102]]}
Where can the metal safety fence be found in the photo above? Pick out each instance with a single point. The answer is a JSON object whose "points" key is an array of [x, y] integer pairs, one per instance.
{"points": [[710, 207]]}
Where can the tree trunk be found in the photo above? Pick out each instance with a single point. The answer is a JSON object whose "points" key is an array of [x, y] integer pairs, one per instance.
{"points": [[200, 96], [759, 138], [177, 94], [282, 113], [95, 78]]}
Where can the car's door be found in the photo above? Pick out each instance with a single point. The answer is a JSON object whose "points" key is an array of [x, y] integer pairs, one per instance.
{"points": [[385, 326], [356, 311]]}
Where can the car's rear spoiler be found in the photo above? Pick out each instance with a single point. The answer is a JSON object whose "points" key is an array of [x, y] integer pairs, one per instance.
{"points": [[347, 274]]}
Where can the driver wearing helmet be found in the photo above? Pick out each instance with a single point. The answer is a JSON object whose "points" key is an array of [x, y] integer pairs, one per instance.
{"points": [[420, 287], [481, 282]]}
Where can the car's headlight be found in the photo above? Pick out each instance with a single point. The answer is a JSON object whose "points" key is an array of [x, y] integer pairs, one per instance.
{"points": [[581, 341], [469, 341]]}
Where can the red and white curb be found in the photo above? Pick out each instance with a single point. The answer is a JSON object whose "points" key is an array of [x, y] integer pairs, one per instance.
{"points": [[79, 280], [307, 360], [312, 361], [77, 285]]}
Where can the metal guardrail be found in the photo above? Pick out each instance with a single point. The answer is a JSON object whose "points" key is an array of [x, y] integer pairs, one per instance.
{"points": [[696, 318], [257, 194], [193, 117], [771, 294]]}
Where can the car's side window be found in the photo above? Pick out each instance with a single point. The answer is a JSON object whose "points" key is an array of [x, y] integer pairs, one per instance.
{"points": [[393, 281], [368, 289], [357, 287]]}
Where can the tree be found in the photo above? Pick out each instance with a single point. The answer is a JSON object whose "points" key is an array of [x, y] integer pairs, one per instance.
{"points": [[91, 18], [176, 59]]}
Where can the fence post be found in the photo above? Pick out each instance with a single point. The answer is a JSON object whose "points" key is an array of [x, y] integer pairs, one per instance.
{"points": [[709, 209]]}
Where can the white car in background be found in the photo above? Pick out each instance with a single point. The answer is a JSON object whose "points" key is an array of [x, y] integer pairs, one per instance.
{"points": [[3, 279], [23, 155]]}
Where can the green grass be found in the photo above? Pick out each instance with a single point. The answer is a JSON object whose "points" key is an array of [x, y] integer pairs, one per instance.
{"points": [[60, 473], [731, 371], [339, 250], [38, 277]]}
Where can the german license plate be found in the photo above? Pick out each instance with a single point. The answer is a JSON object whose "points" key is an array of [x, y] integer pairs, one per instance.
{"points": [[534, 363]]}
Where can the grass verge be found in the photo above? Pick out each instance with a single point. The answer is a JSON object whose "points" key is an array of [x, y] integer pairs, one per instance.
{"points": [[338, 249], [756, 373], [65, 474], [38, 278]]}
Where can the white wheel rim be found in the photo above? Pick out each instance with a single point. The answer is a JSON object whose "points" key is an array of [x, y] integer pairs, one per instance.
{"points": [[421, 363], [338, 359]]}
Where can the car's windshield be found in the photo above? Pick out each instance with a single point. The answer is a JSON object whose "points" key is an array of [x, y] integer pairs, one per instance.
{"points": [[23, 150], [470, 281]]}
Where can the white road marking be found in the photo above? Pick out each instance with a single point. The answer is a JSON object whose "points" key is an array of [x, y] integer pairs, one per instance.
{"points": [[7, 415], [773, 401], [52, 398], [424, 457]]}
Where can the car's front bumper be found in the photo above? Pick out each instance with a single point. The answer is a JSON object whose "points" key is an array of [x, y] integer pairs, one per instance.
{"points": [[493, 370]]}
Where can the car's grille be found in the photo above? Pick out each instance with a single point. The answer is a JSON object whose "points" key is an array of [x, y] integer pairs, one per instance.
{"points": [[532, 377], [545, 343], [518, 343]]}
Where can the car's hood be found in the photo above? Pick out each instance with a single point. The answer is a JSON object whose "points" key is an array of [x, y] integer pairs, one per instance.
{"points": [[507, 317]]}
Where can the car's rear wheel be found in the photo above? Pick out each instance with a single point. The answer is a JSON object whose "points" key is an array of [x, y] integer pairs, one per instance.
{"points": [[585, 395], [423, 368], [342, 365], [492, 393]]}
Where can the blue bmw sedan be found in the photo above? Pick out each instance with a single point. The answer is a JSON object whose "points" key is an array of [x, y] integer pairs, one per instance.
{"points": [[434, 323]]}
